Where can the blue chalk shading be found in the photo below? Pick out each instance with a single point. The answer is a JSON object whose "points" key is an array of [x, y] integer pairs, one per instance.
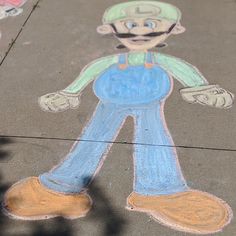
{"points": [[157, 170], [134, 85], [138, 92]]}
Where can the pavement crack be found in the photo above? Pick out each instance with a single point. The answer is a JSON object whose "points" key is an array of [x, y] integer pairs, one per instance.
{"points": [[117, 142], [36, 5]]}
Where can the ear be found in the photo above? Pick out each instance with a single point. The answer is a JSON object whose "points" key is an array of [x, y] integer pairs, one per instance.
{"points": [[178, 29], [105, 29]]}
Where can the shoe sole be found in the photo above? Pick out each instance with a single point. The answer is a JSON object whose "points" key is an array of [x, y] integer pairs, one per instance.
{"points": [[11, 215], [167, 222]]}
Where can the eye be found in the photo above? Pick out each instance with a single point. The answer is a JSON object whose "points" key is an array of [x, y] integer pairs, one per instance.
{"points": [[130, 24], [150, 24]]}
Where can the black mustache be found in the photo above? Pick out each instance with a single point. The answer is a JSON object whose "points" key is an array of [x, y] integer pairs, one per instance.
{"points": [[128, 35], [153, 34], [161, 45]]}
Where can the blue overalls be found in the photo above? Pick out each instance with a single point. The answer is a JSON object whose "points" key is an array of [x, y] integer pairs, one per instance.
{"points": [[125, 90]]}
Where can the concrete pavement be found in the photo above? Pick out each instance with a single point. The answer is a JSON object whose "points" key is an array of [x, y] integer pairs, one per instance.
{"points": [[57, 41]]}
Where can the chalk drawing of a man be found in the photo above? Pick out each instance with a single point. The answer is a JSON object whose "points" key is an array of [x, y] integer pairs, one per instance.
{"points": [[134, 84]]}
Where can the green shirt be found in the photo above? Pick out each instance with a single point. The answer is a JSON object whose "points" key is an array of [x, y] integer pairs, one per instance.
{"points": [[185, 73]]}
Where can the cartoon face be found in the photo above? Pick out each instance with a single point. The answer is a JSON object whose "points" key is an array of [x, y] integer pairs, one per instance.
{"points": [[142, 33], [141, 26]]}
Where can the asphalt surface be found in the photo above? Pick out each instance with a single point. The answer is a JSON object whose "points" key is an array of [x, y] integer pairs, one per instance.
{"points": [[46, 47]]}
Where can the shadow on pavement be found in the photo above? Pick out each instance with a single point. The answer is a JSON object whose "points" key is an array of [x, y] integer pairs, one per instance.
{"points": [[3, 219], [56, 227], [4, 156], [103, 211]]}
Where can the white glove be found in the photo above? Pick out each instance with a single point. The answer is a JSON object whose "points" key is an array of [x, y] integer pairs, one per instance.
{"points": [[211, 95], [58, 101]]}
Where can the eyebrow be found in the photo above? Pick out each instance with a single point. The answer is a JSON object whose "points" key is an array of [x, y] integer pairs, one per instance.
{"points": [[153, 19], [114, 28]]}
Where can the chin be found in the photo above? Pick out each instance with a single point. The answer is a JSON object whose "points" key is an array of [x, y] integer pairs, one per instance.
{"points": [[139, 47]]}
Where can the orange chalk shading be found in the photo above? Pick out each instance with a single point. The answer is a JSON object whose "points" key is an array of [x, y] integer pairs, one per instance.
{"points": [[28, 199], [148, 65], [122, 66], [192, 211]]}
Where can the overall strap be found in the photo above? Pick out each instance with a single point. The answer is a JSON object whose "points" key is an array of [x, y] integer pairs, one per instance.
{"points": [[123, 61], [149, 63]]}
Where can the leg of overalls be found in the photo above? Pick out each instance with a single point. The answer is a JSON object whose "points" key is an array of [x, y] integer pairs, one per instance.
{"points": [[157, 170], [81, 164]]}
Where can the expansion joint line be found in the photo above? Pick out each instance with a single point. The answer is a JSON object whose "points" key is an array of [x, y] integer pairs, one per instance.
{"points": [[18, 34], [116, 142]]}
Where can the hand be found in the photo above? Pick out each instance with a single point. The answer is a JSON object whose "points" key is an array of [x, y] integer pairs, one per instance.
{"points": [[211, 95], [58, 101]]}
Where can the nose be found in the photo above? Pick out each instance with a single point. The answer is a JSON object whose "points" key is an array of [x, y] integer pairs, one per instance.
{"points": [[140, 30]]}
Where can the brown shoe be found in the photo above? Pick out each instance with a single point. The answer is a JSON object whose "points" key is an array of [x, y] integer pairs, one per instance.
{"points": [[30, 200], [192, 211]]}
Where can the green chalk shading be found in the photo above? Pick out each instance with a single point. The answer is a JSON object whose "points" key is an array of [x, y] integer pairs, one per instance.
{"points": [[117, 12], [184, 72], [90, 72]]}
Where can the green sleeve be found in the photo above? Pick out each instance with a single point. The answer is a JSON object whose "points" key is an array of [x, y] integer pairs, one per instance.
{"points": [[185, 73], [89, 73]]}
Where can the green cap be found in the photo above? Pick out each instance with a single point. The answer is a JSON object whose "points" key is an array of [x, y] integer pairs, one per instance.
{"points": [[140, 9]]}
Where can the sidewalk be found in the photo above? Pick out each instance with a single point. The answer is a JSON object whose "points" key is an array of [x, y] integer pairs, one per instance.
{"points": [[51, 45]]}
